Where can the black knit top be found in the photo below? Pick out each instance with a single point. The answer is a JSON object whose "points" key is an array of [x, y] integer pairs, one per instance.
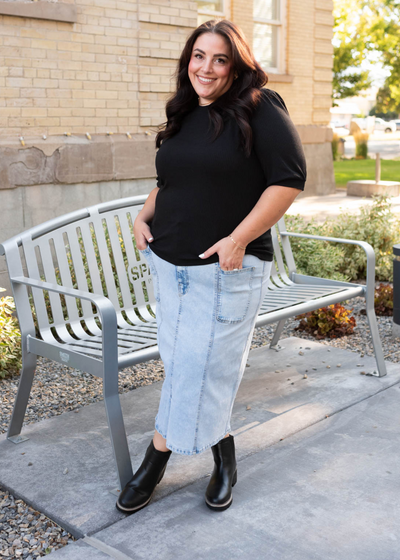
{"points": [[208, 188]]}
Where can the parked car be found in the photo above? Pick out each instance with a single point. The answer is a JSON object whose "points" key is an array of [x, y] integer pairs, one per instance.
{"points": [[387, 126], [397, 123], [338, 124], [340, 128]]}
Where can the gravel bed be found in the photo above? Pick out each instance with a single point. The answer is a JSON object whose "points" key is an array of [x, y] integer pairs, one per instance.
{"points": [[28, 534], [360, 341]]}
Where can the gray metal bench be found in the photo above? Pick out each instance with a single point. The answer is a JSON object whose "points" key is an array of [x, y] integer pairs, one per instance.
{"points": [[84, 298]]}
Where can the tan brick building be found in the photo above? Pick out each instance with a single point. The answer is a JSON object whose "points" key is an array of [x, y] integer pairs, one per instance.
{"points": [[83, 86]]}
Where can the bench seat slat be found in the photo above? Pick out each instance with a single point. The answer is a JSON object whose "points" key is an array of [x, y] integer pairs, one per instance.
{"points": [[138, 337], [90, 350], [269, 316]]}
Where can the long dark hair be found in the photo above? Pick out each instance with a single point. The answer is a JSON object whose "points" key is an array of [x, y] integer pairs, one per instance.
{"points": [[239, 102]]}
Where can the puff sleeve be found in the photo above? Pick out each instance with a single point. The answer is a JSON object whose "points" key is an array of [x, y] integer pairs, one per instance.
{"points": [[277, 143]]}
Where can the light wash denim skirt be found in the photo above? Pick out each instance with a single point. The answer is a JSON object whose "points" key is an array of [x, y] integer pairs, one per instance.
{"points": [[205, 319]]}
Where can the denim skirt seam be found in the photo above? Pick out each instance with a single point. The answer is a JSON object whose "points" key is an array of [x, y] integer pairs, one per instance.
{"points": [[210, 346], [173, 352], [235, 389]]}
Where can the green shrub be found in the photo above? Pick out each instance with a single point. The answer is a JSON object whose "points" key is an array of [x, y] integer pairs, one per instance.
{"points": [[10, 338], [376, 224], [335, 146], [315, 258], [333, 321], [383, 301], [361, 140]]}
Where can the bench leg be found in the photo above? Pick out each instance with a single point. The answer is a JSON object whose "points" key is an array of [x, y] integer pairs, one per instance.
{"points": [[376, 341], [21, 400], [277, 333], [116, 426]]}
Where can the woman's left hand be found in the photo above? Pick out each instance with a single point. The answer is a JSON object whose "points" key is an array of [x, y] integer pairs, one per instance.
{"points": [[230, 254]]}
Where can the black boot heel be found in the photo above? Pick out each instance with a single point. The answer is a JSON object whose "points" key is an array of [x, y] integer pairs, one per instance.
{"points": [[224, 476], [139, 490]]}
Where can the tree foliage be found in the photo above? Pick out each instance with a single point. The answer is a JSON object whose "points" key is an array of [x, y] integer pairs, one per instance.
{"points": [[383, 103], [349, 50], [388, 100], [385, 39], [367, 30]]}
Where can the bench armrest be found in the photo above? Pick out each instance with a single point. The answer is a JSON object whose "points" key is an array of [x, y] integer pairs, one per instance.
{"points": [[104, 306], [366, 246], [369, 251]]}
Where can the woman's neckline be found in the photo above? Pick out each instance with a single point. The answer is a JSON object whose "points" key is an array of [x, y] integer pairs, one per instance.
{"points": [[208, 105]]}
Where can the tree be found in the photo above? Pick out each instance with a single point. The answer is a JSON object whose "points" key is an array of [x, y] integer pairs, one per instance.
{"points": [[367, 30], [347, 83], [387, 100], [385, 39], [349, 50]]}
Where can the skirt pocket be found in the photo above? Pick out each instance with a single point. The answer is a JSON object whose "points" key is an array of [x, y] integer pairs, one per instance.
{"points": [[234, 292]]}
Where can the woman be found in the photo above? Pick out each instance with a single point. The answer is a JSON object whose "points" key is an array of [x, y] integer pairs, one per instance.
{"points": [[229, 165]]}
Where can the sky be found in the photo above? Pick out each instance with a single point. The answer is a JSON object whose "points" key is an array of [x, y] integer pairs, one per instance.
{"points": [[377, 72]]}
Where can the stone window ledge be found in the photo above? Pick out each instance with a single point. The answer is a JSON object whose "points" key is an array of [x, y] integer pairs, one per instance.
{"points": [[55, 11]]}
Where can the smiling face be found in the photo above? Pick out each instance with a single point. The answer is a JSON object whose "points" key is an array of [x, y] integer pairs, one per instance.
{"points": [[210, 68]]}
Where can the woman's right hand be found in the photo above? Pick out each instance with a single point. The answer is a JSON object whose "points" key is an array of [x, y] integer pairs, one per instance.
{"points": [[142, 233]]}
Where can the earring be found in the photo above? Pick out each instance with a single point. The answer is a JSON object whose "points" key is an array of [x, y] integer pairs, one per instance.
{"points": [[235, 76]]}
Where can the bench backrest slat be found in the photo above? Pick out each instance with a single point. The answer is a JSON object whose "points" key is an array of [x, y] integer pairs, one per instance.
{"points": [[132, 269], [34, 257], [286, 247], [105, 273], [112, 222], [96, 253], [66, 269], [126, 220], [74, 255], [49, 271], [278, 274]]}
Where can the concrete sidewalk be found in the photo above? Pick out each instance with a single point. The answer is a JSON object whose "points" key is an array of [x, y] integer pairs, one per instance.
{"points": [[330, 492], [318, 471], [329, 206]]}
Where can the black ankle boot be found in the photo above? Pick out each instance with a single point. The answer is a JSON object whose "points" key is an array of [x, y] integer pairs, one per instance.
{"points": [[137, 493], [224, 475]]}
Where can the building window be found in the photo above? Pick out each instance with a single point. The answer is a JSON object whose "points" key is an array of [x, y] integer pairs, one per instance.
{"points": [[210, 9], [268, 34]]}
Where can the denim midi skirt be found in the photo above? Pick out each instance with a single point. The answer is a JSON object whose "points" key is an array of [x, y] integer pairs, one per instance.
{"points": [[205, 319]]}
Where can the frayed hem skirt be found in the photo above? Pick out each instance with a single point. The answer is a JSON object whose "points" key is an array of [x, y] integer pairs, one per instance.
{"points": [[205, 319]]}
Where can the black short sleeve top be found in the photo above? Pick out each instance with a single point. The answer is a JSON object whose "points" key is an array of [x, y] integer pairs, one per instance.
{"points": [[207, 188]]}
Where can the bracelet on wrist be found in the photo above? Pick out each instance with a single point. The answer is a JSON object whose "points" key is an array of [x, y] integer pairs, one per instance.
{"points": [[240, 246]]}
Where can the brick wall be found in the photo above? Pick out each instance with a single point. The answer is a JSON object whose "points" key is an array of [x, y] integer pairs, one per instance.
{"points": [[242, 15], [163, 28], [109, 71], [112, 69]]}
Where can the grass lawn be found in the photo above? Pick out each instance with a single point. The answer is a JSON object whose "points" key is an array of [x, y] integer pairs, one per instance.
{"points": [[354, 169]]}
